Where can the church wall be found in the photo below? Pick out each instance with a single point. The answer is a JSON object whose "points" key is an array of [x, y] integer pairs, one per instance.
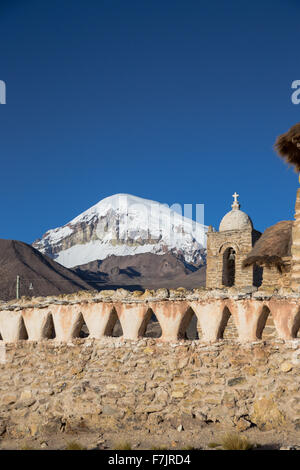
{"points": [[273, 278]]}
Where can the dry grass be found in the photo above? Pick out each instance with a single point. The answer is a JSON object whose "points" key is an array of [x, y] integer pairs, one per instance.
{"points": [[213, 445], [190, 448], [27, 447], [123, 446], [233, 441], [288, 146], [274, 245], [73, 445]]}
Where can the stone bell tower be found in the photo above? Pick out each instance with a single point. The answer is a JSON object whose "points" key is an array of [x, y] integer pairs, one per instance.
{"points": [[228, 248]]}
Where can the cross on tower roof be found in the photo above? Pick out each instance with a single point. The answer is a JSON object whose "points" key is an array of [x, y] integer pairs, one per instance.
{"points": [[235, 196], [235, 204]]}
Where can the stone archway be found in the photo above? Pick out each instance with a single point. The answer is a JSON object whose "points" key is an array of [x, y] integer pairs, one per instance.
{"points": [[228, 267]]}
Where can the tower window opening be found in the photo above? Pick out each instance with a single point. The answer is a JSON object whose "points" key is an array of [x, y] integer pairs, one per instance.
{"points": [[228, 274]]}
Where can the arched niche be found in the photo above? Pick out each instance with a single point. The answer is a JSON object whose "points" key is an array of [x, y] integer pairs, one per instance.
{"points": [[229, 267]]}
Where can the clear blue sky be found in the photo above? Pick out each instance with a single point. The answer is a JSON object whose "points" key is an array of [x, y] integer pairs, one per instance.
{"points": [[172, 100]]}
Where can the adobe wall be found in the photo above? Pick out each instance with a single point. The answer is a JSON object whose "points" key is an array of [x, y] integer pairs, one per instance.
{"points": [[62, 317]]}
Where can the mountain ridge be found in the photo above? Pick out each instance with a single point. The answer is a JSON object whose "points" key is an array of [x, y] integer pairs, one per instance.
{"points": [[140, 272]]}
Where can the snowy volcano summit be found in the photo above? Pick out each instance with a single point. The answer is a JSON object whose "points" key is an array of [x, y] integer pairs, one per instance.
{"points": [[124, 225]]}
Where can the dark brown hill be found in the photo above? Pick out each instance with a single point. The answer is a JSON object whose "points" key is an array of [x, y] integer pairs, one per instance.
{"points": [[45, 276], [141, 271]]}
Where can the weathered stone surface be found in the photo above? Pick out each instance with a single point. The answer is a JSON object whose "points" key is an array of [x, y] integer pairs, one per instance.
{"points": [[242, 424], [266, 414], [236, 381], [286, 367]]}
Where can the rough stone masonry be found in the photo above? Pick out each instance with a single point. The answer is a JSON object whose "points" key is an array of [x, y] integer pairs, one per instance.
{"points": [[52, 380], [112, 384]]}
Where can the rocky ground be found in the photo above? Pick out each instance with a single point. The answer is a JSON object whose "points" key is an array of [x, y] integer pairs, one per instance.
{"points": [[205, 438]]}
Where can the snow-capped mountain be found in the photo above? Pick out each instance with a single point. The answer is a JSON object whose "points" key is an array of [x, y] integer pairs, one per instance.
{"points": [[124, 225]]}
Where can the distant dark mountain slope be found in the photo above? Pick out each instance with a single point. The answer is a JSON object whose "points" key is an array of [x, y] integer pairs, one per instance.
{"points": [[46, 276], [141, 271]]}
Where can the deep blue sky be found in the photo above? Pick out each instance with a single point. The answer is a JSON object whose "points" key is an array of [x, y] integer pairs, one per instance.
{"points": [[172, 100]]}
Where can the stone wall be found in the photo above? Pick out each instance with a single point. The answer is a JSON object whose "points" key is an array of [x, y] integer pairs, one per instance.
{"points": [[53, 380], [112, 384]]}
